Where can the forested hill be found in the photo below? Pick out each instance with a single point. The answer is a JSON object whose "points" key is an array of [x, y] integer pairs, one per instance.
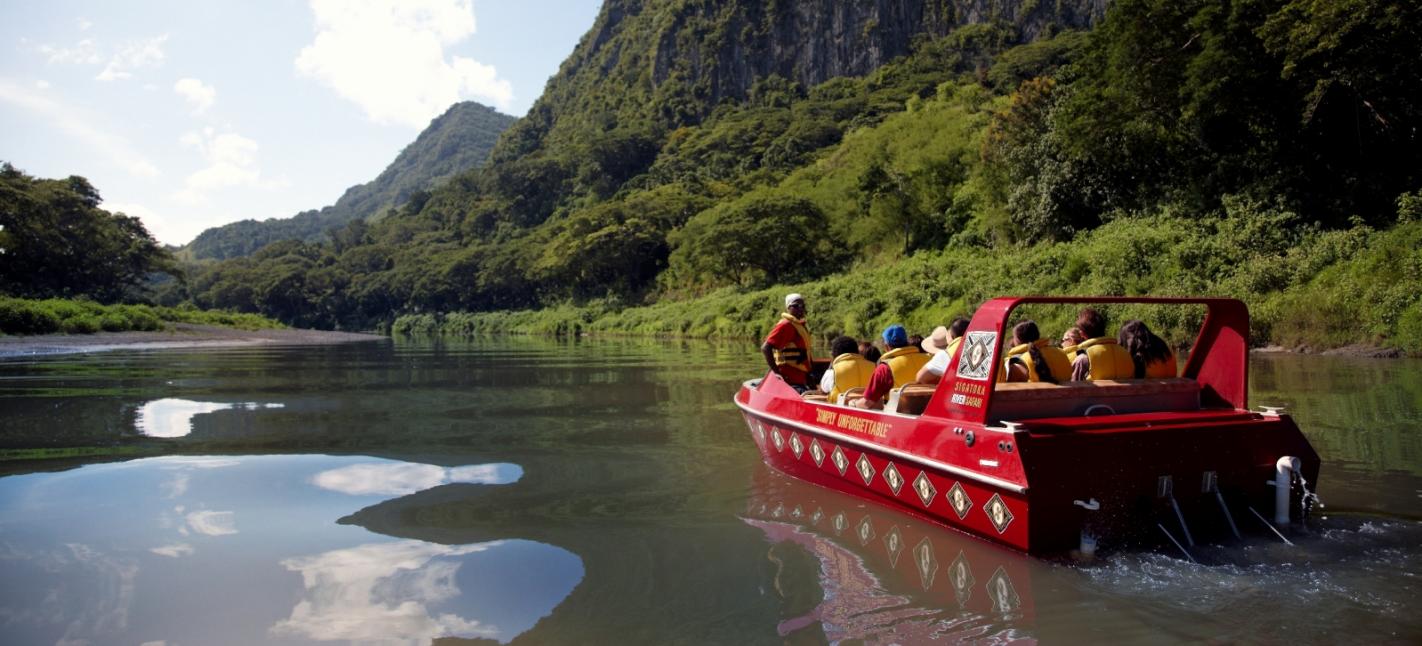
{"points": [[690, 147], [454, 142]]}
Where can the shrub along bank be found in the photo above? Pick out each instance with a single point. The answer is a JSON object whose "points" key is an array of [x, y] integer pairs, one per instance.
{"points": [[55, 315], [1304, 285]]}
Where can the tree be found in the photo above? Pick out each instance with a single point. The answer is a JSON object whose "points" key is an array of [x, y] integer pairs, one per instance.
{"points": [[59, 244], [763, 238]]}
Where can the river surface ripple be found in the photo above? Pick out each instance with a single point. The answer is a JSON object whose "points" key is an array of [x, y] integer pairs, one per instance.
{"points": [[526, 491]]}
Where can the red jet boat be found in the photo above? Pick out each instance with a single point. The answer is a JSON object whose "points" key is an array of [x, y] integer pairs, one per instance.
{"points": [[1048, 468]]}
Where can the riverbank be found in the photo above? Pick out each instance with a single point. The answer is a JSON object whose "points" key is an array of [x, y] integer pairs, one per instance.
{"points": [[180, 335]]}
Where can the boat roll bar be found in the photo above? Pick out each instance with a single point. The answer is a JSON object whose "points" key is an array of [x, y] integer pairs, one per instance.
{"points": [[1218, 358]]}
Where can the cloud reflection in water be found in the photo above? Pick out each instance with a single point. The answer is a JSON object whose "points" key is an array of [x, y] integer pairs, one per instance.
{"points": [[379, 592], [174, 417], [403, 478]]}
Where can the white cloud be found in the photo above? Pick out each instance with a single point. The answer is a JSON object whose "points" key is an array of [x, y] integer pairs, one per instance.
{"points": [[175, 550], [213, 523], [152, 221], [84, 24], [231, 163], [78, 124], [42, 84], [133, 55], [388, 57], [199, 95], [85, 52]]}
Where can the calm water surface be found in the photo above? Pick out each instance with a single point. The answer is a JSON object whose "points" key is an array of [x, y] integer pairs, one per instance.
{"points": [[517, 491]]}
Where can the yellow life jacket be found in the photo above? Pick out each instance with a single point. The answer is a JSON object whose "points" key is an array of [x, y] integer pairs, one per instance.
{"points": [[796, 356], [1056, 360], [1108, 359], [851, 370], [905, 362], [1162, 369], [1070, 351]]}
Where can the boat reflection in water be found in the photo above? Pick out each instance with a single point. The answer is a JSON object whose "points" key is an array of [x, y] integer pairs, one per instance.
{"points": [[884, 574]]}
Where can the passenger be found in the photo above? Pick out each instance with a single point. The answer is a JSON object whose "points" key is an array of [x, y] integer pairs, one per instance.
{"points": [[1151, 355], [1099, 356], [942, 344], [870, 351], [787, 347], [916, 340], [896, 368], [848, 369], [1070, 339], [1033, 358]]}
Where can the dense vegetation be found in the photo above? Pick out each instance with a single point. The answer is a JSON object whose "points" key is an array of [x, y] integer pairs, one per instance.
{"points": [[454, 142], [55, 242], [67, 265], [30, 316], [1258, 148]]}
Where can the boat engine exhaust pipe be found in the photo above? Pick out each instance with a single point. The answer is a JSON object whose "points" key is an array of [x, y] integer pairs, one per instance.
{"points": [[1284, 470]]}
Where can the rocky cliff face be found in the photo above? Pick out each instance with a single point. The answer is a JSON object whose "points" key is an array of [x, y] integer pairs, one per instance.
{"points": [[673, 61], [812, 41]]}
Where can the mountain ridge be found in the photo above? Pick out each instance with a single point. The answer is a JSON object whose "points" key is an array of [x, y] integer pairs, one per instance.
{"points": [[458, 140]]}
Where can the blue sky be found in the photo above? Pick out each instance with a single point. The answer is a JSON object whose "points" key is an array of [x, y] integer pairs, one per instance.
{"points": [[194, 113]]}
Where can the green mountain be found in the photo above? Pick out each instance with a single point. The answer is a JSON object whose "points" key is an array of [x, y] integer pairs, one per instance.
{"points": [[456, 141], [1257, 148]]}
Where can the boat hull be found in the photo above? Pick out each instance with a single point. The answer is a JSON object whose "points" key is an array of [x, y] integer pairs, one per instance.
{"points": [[1039, 491]]}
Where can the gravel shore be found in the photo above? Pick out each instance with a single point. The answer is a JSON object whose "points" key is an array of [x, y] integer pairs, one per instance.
{"points": [[181, 335]]}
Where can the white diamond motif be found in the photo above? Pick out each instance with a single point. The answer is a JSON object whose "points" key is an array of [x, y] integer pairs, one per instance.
{"points": [[866, 470], [924, 487], [840, 461], [796, 446], [817, 452], [779, 441], [892, 477], [960, 501], [998, 513]]}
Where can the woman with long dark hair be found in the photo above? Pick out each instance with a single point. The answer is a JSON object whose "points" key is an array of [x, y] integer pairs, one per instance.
{"points": [[1150, 354], [1033, 358]]}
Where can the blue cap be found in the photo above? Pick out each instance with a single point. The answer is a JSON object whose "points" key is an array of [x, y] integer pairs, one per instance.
{"points": [[896, 336]]}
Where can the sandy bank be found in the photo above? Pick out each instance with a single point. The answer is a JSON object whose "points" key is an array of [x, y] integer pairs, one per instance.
{"points": [[181, 335]]}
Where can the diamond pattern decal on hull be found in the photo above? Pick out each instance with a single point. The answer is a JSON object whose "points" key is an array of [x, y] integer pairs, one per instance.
{"points": [[817, 452], [866, 470], [998, 513], [779, 441], [960, 501], [840, 461], [892, 477], [796, 446], [924, 487]]}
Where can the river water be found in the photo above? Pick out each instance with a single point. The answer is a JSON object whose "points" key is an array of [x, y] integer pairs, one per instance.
{"points": [[606, 491]]}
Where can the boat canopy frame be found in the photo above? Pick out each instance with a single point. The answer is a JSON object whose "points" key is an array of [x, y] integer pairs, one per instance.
{"points": [[1218, 359]]}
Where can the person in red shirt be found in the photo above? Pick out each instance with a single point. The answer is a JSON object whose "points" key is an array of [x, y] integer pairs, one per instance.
{"points": [[883, 380], [787, 347]]}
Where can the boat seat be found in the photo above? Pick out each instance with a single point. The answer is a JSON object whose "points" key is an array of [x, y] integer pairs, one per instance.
{"points": [[1019, 401], [910, 399], [852, 393], [815, 396]]}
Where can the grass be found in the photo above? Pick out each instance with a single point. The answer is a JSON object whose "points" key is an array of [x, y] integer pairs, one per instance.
{"points": [[29, 316]]}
